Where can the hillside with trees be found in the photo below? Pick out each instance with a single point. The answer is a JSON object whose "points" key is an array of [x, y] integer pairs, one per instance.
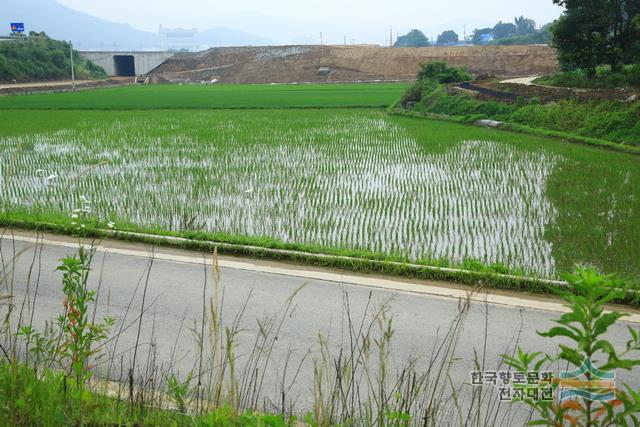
{"points": [[39, 57]]}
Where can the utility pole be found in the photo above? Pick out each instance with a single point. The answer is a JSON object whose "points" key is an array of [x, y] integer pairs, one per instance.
{"points": [[73, 73], [390, 36]]}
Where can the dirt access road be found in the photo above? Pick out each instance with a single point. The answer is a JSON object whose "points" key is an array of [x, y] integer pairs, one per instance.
{"points": [[42, 84], [61, 85]]}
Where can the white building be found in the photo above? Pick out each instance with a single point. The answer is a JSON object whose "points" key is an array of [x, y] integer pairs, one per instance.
{"points": [[178, 39]]}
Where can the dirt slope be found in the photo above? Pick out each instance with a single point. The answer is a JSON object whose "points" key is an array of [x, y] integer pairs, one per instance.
{"points": [[288, 64]]}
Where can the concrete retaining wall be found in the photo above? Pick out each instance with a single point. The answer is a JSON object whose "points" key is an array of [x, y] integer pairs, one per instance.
{"points": [[144, 61]]}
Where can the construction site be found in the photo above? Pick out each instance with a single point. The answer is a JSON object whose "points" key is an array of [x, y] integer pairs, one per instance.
{"points": [[305, 63]]}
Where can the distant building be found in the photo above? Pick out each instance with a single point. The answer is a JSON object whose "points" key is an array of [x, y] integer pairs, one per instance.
{"points": [[178, 39], [486, 38]]}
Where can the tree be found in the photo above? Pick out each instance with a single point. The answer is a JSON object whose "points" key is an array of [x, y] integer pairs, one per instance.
{"points": [[414, 38], [586, 37], [448, 37], [479, 35], [577, 49], [524, 26], [503, 30]]}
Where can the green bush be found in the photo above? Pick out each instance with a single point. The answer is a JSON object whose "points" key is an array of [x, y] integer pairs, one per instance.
{"points": [[441, 73], [38, 57]]}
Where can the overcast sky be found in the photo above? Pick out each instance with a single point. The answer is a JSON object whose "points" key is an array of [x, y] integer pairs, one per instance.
{"points": [[305, 18]]}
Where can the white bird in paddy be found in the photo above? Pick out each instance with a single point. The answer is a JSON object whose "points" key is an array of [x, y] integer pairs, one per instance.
{"points": [[41, 172], [50, 178], [248, 191]]}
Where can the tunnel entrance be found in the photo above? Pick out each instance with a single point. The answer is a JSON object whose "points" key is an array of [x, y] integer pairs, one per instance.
{"points": [[124, 65]]}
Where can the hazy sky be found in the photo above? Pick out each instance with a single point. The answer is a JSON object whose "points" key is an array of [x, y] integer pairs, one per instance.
{"points": [[305, 18]]}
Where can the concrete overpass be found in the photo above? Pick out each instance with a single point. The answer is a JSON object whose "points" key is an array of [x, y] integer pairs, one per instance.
{"points": [[127, 63]]}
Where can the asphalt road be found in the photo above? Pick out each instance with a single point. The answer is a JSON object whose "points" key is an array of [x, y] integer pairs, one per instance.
{"points": [[251, 293]]}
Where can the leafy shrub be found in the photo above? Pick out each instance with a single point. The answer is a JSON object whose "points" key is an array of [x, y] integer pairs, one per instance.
{"points": [[412, 94], [441, 73], [586, 346], [76, 338]]}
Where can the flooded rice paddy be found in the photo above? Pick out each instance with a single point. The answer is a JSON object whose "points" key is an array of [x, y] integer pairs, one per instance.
{"points": [[339, 179]]}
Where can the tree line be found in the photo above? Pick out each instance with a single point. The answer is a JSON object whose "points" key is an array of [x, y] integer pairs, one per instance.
{"points": [[588, 34], [522, 29]]}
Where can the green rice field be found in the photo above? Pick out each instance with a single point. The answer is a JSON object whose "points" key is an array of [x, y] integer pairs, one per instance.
{"points": [[352, 179], [153, 97]]}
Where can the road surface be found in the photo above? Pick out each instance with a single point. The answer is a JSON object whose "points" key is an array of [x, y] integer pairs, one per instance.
{"points": [[422, 312], [43, 84], [527, 81]]}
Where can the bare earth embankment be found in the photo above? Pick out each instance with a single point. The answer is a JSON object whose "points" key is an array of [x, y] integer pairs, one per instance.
{"points": [[289, 64]]}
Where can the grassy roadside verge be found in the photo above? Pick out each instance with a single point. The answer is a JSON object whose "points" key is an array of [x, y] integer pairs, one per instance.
{"points": [[471, 272], [515, 127], [50, 398]]}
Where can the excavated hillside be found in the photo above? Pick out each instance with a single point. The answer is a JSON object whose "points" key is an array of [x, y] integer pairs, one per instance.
{"points": [[290, 64]]}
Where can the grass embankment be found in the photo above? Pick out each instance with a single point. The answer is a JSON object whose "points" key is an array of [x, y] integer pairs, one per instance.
{"points": [[220, 96], [604, 78], [591, 122], [38, 57]]}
